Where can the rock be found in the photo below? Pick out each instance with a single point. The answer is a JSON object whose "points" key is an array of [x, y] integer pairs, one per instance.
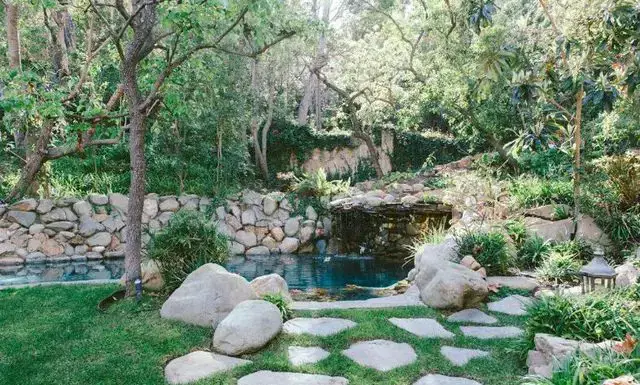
{"points": [[311, 213], [472, 316], [198, 365], [249, 217], [587, 230], [447, 285], [98, 199], [409, 200], [236, 248], [270, 243], [44, 206], [248, 328], [437, 379], [459, 356], [169, 204], [381, 355], [99, 239], [119, 202], [82, 208], [246, 238], [558, 231], [547, 212], [491, 332], [60, 226], [291, 226], [277, 233], [36, 229], [113, 224], [69, 214], [445, 251], [320, 327], [628, 275], [306, 235], [251, 197], [622, 380], [54, 215], [52, 248], [300, 355], [151, 275], [150, 207], [207, 296], [35, 257], [7, 249], [271, 284], [289, 245], [422, 327], [23, 218], [269, 205], [470, 263], [265, 377], [29, 204], [519, 283], [11, 261], [512, 305], [258, 250], [88, 226]]}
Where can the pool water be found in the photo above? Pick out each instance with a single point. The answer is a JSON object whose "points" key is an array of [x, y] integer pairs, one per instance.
{"points": [[301, 272]]}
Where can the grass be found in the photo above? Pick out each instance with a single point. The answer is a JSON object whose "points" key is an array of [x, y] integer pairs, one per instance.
{"points": [[55, 335]]}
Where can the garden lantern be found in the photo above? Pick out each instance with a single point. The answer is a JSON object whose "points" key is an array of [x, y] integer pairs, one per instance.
{"points": [[597, 268]]}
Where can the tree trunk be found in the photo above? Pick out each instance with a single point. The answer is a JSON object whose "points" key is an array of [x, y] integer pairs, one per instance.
{"points": [[13, 35], [35, 160], [577, 156], [373, 151]]}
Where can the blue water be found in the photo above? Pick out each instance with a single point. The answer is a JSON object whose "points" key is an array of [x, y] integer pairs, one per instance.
{"points": [[300, 271]]}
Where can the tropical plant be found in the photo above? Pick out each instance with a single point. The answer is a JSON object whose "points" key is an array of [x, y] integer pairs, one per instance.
{"points": [[489, 249], [517, 231], [316, 184], [188, 242], [281, 303], [559, 267], [533, 251]]}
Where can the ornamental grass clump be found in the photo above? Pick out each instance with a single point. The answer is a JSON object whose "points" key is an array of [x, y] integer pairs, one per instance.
{"points": [[188, 242], [489, 249]]}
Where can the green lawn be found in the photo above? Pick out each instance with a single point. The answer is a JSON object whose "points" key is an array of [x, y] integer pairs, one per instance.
{"points": [[56, 335]]}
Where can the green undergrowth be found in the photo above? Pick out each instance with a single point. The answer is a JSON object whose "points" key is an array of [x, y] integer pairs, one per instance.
{"points": [[56, 335]]}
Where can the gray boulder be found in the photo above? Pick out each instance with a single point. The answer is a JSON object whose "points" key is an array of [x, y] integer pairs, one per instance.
{"points": [[249, 327], [628, 275], [289, 245], [82, 208], [291, 226], [198, 365], [207, 296], [271, 284], [23, 218], [558, 231], [119, 202]]}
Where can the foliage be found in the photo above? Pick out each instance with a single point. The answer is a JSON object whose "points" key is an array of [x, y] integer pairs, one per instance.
{"points": [[559, 266], [316, 184], [530, 191], [517, 231], [561, 212], [533, 251], [435, 233], [489, 249], [594, 317], [186, 243], [282, 305], [624, 173], [546, 163], [594, 368], [411, 150]]}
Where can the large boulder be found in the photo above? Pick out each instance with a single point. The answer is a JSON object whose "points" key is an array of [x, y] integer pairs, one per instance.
{"points": [[249, 327], [628, 275], [151, 275], [271, 284], [207, 296], [558, 231], [587, 230]]}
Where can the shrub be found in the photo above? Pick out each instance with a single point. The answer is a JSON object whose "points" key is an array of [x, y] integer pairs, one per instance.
{"points": [[281, 303], [489, 249], [316, 184], [533, 251], [624, 173], [188, 242], [558, 267], [579, 248], [594, 368], [434, 234], [561, 212], [517, 231], [594, 317], [530, 191]]}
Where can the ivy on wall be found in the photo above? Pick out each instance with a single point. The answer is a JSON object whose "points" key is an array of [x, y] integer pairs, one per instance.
{"points": [[412, 149]]}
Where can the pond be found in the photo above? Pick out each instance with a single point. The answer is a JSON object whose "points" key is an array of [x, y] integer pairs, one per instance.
{"points": [[301, 272]]}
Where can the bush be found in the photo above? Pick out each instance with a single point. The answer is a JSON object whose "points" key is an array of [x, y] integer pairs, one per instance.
{"points": [[412, 150], [530, 191], [188, 242], [489, 249], [517, 231], [316, 184], [594, 317], [559, 267], [533, 251], [281, 303], [624, 173], [594, 368]]}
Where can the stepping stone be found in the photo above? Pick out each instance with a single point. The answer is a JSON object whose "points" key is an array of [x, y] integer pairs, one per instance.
{"points": [[459, 356], [422, 327], [381, 355], [512, 305], [521, 283], [198, 365], [321, 327], [490, 332], [472, 316], [300, 355], [436, 379], [265, 377]]}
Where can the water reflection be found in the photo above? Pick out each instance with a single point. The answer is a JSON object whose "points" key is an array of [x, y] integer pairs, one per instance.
{"points": [[58, 272]]}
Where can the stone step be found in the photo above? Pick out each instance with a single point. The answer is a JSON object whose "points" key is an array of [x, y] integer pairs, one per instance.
{"points": [[321, 327], [437, 379], [302, 355], [472, 316], [460, 356], [512, 305], [422, 327], [198, 365], [265, 377], [381, 355], [491, 332]]}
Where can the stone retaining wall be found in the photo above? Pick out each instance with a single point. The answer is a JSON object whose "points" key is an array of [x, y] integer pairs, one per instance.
{"points": [[45, 230]]}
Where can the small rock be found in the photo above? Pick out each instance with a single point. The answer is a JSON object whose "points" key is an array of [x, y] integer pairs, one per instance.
{"points": [[119, 202], [150, 207], [258, 250], [271, 284], [628, 275], [246, 238], [44, 206], [98, 199], [311, 213], [82, 208], [23, 218], [291, 227], [99, 239], [519, 283], [269, 205], [248, 217], [24, 205], [36, 229], [289, 245]]}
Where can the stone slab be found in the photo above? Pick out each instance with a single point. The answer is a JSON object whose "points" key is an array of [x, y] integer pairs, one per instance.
{"points": [[520, 283], [321, 327], [437, 379], [512, 305], [302, 355], [460, 356], [198, 365], [422, 327], [265, 377], [381, 355], [491, 332], [475, 316]]}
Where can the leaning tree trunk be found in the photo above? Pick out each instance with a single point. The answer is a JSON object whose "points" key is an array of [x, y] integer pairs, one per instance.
{"points": [[373, 151], [577, 156], [35, 159]]}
